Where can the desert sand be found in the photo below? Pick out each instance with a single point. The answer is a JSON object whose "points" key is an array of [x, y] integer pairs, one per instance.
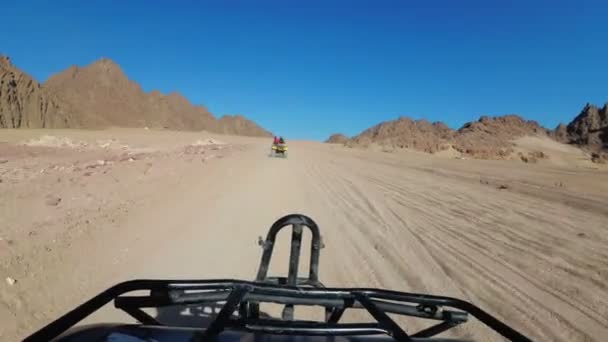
{"points": [[83, 210]]}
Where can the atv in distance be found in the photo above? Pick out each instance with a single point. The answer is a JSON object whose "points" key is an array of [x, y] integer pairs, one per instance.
{"points": [[278, 150], [235, 314]]}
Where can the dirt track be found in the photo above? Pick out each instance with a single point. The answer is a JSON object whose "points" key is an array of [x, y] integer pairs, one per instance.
{"points": [[535, 253]]}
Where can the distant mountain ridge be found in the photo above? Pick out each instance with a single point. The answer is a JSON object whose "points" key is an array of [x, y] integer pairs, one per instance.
{"points": [[487, 138], [101, 95]]}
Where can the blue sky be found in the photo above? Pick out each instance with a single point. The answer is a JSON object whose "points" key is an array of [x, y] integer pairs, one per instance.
{"points": [[305, 69]]}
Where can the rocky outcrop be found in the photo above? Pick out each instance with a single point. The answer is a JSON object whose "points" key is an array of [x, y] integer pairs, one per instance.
{"points": [[488, 137], [588, 130], [24, 103], [491, 137], [590, 127], [406, 133], [560, 133], [337, 138]]}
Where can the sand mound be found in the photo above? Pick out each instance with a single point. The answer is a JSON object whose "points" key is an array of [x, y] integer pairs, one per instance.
{"points": [[449, 152], [549, 151]]}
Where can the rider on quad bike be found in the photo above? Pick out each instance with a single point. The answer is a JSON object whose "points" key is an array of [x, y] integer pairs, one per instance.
{"points": [[278, 148]]}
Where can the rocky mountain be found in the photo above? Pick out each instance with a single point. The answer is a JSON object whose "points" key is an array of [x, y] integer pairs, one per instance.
{"points": [[239, 125], [101, 95], [491, 137], [25, 103], [406, 133], [488, 137], [106, 97], [337, 138], [589, 128]]}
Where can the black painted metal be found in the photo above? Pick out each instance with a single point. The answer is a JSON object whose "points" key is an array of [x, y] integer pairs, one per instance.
{"points": [[294, 257], [335, 315], [268, 293], [227, 310], [140, 315], [294, 262], [385, 322], [244, 297], [295, 220], [436, 329], [313, 328], [337, 301]]}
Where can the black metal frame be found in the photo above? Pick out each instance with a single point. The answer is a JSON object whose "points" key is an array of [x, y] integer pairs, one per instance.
{"points": [[242, 299], [238, 294], [297, 222]]}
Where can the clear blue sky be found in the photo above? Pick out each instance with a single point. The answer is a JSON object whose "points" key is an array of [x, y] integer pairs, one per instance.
{"points": [[308, 68]]}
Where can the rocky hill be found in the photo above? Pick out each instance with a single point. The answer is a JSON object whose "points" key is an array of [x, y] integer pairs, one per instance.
{"points": [[25, 103], [589, 128], [488, 137], [405, 133], [239, 125], [337, 138], [491, 137], [101, 95]]}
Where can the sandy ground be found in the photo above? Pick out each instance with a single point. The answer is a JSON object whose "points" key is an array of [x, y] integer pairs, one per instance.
{"points": [[80, 212]]}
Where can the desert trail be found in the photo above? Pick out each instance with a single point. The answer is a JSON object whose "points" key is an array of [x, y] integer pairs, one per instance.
{"points": [[526, 242]]}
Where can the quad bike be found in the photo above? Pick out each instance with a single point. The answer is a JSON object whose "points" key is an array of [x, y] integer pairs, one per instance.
{"points": [[278, 150], [237, 303]]}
